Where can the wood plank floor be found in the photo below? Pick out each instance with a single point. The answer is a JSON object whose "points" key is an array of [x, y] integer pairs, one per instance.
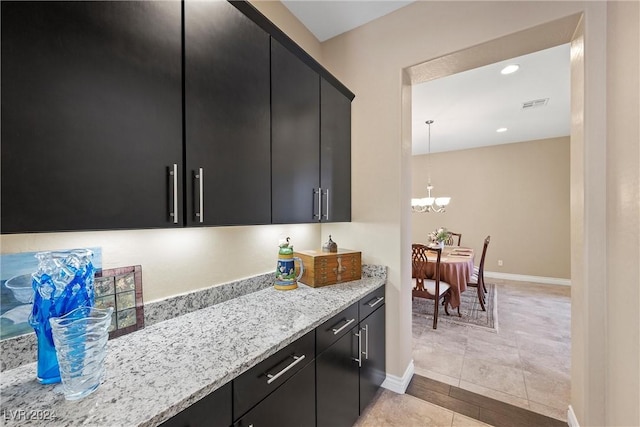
{"points": [[476, 406]]}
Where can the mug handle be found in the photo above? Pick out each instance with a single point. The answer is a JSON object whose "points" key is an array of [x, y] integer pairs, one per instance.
{"points": [[295, 258]]}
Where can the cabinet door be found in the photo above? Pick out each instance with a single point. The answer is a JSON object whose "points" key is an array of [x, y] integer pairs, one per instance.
{"points": [[337, 380], [212, 411], [227, 116], [337, 326], [373, 371], [295, 121], [291, 405], [335, 153], [91, 115], [264, 378]]}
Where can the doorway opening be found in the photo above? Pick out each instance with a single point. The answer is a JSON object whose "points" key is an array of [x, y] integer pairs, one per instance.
{"points": [[532, 394]]}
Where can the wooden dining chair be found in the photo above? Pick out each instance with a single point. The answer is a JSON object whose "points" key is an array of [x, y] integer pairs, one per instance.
{"points": [[454, 239], [424, 287], [477, 278]]}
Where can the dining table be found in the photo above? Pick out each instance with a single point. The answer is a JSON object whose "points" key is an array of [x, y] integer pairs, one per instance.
{"points": [[456, 268]]}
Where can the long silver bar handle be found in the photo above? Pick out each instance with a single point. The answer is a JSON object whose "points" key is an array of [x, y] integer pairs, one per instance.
{"points": [[319, 193], [173, 172], [337, 331], [326, 216], [376, 302], [359, 358], [200, 178], [297, 360], [366, 342]]}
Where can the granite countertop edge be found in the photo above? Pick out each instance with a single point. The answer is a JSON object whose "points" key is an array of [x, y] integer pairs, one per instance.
{"points": [[154, 373]]}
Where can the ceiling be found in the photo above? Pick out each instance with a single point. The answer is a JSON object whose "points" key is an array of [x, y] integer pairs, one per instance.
{"points": [[329, 18], [467, 107]]}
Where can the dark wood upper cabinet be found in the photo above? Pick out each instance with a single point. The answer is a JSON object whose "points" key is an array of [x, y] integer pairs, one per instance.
{"points": [[311, 143], [91, 115], [295, 133], [335, 153], [155, 114], [227, 116]]}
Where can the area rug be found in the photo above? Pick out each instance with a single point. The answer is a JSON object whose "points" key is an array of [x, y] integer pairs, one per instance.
{"points": [[472, 314]]}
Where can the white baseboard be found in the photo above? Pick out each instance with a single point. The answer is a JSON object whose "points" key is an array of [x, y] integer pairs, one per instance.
{"points": [[571, 418], [399, 384], [524, 278]]}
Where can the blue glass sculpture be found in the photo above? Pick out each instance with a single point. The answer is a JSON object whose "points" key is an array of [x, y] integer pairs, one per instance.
{"points": [[63, 282]]}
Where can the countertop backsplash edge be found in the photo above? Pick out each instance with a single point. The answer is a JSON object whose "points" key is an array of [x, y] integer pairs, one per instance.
{"points": [[17, 351]]}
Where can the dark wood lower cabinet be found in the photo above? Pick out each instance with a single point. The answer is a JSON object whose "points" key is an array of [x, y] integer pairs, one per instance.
{"points": [[212, 411], [293, 404], [337, 383], [331, 391], [373, 371]]}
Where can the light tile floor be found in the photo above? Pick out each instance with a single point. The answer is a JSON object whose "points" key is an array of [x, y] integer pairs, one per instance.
{"points": [[526, 363], [389, 409]]}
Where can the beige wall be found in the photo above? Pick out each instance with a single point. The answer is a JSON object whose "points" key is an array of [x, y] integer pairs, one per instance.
{"points": [[623, 214], [516, 193], [370, 60], [287, 22]]}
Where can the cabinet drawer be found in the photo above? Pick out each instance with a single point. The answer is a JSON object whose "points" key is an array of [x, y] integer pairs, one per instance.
{"points": [[334, 328], [371, 302], [213, 410], [264, 378], [292, 405]]}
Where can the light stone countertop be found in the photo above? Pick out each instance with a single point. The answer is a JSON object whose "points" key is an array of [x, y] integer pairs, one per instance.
{"points": [[156, 372]]}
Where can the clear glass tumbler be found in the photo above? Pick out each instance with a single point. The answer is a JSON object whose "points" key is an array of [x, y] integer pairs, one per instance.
{"points": [[80, 338]]}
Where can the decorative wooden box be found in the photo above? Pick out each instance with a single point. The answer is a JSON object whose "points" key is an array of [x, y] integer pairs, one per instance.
{"points": [[328, 268]]}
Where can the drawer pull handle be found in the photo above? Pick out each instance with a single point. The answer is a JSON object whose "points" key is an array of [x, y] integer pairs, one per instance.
{"points": [[297, 360], [337, 331], [373, 304]]}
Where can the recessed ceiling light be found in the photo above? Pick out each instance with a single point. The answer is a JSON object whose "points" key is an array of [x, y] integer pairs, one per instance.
{"points": [[500, 130], [510, 69]]}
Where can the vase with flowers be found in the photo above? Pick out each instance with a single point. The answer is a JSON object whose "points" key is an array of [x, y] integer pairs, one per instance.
{"points": [[438, 237]]}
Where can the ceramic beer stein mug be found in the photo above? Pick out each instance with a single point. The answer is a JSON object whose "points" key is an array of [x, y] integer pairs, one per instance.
{"points": [[286, 278]]}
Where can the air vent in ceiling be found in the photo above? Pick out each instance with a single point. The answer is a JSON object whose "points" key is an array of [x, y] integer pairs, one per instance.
{"points": [[535, 103]]}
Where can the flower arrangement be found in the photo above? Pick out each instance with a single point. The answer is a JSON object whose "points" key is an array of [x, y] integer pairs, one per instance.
{"points": [[439, 235]]}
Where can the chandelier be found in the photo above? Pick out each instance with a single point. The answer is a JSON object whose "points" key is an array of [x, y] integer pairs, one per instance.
{"points": [[429, 203]]}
